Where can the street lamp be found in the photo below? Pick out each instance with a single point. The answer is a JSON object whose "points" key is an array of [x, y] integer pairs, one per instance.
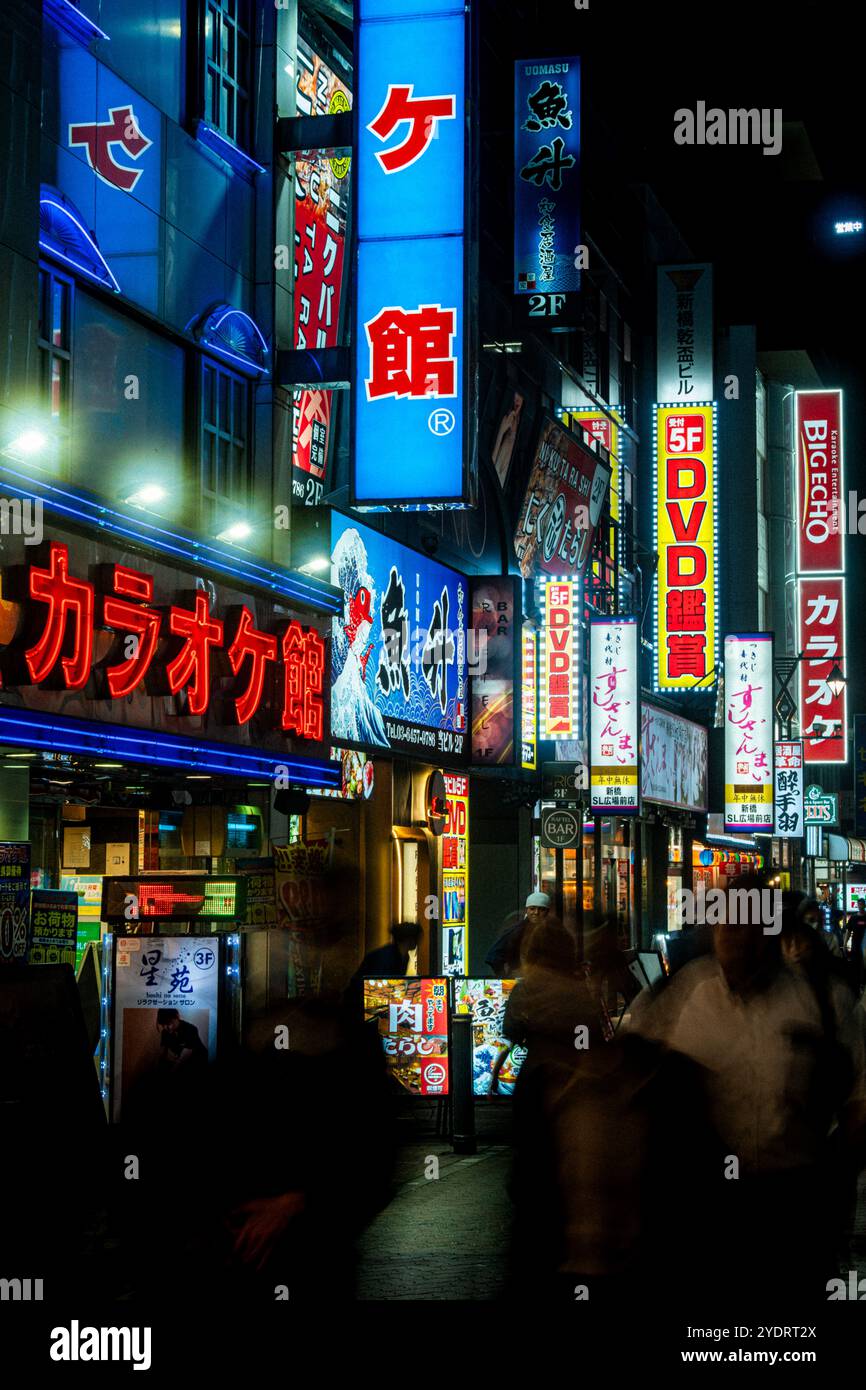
{"points": [[836, 681]]}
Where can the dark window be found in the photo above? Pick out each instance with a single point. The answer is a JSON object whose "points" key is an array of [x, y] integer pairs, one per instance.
{"points": [[225, 416], [227, 68], [55, 342]]}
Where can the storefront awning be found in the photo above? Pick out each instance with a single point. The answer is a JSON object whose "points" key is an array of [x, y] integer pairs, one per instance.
{"points": [[844, 848]]}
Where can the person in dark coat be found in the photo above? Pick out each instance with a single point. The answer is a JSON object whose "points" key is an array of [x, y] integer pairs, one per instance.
{"points": [[504, 956]]}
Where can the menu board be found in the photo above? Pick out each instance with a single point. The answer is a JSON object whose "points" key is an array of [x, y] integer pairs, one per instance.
{"points": [[487, 1000], [412, 1018]]}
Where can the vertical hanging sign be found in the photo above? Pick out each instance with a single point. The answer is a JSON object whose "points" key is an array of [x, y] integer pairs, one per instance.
{"points": [[789, 790], [529, 698], [413, 382], [614, 715], [749, 732], [559, 661], [455, 874]]}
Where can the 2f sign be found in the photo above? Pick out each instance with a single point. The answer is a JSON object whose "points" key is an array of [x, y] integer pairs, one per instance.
{"points": [[685, 434], [547, 306]]}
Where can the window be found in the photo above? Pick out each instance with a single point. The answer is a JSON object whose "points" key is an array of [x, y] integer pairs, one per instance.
{"points": [[55, 342], [225, 414], [227, 68]]}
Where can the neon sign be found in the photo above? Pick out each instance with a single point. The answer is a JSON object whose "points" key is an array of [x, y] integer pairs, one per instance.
{"points": [[176, 897]]}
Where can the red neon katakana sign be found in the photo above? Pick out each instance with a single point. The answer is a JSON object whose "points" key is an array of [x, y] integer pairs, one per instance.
{"points": [[421, 115]]}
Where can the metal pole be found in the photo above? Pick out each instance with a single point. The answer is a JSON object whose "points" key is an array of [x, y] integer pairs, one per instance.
{"points": [[462, 1097]]}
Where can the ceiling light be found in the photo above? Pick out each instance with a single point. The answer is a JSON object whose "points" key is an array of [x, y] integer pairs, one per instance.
{"points": [[238, 531], [27, 444], [316, 565], [146, 496]]}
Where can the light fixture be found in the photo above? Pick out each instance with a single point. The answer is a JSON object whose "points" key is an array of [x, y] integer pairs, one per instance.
{"points": [[836, 681], [198, 777], [19, 756], [108, 764], [27, 444], [316, 565], [147, 496], [238, 531]]}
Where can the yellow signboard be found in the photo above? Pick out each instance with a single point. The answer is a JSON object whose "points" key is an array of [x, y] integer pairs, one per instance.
{"points": [[685, 525]]}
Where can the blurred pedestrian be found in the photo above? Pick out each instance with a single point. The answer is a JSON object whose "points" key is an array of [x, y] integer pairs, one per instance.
{"points": [[505, 955], [855, 932]]}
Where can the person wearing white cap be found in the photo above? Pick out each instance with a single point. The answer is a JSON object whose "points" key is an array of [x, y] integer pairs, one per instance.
{"points": [[503, 958]]}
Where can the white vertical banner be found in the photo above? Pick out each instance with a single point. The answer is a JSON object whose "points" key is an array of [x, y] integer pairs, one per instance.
{"points": [[685, 333], [788, 799], [614, 715], [749, 732]]}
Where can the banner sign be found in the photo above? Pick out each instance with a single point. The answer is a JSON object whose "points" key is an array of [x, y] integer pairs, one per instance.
{"points": [[413, 374], [685, 537], [398, 649], [560, 657], [486, 1001], [455, 874], [528, 697], [860, 775], [412, 1017], [165, 1006], [53, 927], [562, 506], [495, 612], [560, 828], [598, 425], [685, 333], [322, 186], [820, 807], [614, 695], [674, 760], [749, 732], [14, 901], [823, 710], [818, 430], [546, 183], [790, 821]]}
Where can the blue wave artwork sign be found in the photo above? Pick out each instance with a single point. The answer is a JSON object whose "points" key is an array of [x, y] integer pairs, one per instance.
{"points": [[546, 177]]}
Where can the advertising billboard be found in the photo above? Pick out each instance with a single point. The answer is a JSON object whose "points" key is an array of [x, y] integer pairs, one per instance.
{"points": [[412, 1018], [686, 541], [414, 375], [562, 506], [53, 927], [547, 184], [685, 333], [398, 649], [614, 715], [673, 763], [322, 185], [487, 1001], [14, 901], [823, 702], [165, 1007], [495, 613], [788, 790], [860, 775], [528, 698], [749, 732], [820, 482], [455, 874], [598, 425], [560, 661]]}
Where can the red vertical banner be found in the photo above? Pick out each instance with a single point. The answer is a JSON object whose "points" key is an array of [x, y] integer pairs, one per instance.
{"points": [[823, 703], [818, 429]]}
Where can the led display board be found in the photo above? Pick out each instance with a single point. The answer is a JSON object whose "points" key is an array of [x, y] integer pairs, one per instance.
{"points": [[172, 897]]}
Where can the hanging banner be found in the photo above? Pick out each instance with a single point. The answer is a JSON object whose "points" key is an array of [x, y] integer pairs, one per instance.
{"points": [[560, 655], [528, 698], [749, 732], [685, 333], [494, 615], [562, 506], [614, 715], [860, 775], [790, 823], [673, 759], [823, 703], [685, 537], [455, 874], [547, 185], [820, 482], [597, 424]]}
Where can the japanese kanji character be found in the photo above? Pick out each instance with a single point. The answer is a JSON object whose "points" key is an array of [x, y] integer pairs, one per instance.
{"points": [[304, 670], [549, 107], [259, 647], [422, 113], [141, 623], [410, 352], [191, 666], [97, 137], [685, 610], [547, 165], [66, 598], [394, 661], [686, 656], [438, 653]]}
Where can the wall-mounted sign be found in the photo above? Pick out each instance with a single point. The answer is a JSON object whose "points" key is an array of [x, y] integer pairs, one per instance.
{"points": [[788, 794], [820, 482], [547, 184], [412, 1018], [414, 375], [398, 670], [673, 764], [821, 808], [165, 1005], [685, 333], [614, 715], [597, 424], [435, 804], [528, 697], [560, 828], [560, 661], [14, 901], [685, 534], [749, 732], [486, 1001], [563, 782], [823, 705], [564, 500], [53, 927], [495, 612], [455, 875], [172, 897]]}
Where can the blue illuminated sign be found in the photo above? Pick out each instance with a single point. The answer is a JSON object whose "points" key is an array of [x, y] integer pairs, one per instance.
{"points": [[398, 649], [413, 368], [546, 176]]}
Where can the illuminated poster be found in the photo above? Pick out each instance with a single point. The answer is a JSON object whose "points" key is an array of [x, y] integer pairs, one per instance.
{"points": [[165, 1004], [398, 650], [614, 713], [685, 531], [506, 437], [749, 732], [528, 698], [455, 874], [53, 927], [597, 424], [412, 1018], [823, 704], [673, 762], [818, 432], [494, 614], [487, 1000], [322, 185], [546, 183], [860, 775], [412, 396], [788, 795], [563, 502], [685, 333], [558, 682], [14, 901], [88, 890]]}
